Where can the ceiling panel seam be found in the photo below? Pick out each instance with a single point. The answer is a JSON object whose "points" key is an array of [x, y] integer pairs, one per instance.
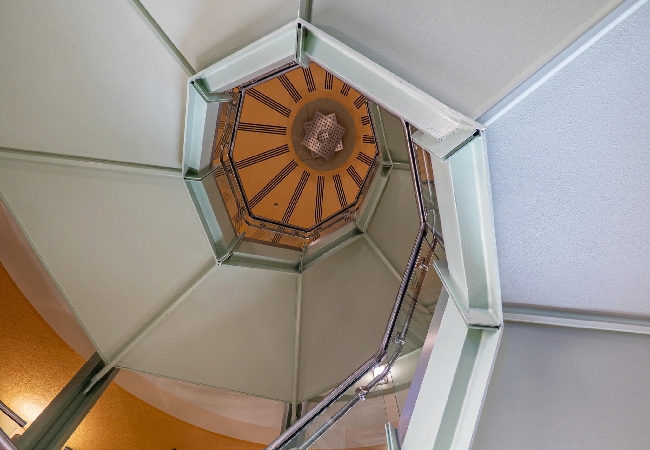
{"points": [[88, 162], [557, 63], [296, 349], [133, 340], [382, 256], [13, 216], [584, 319], [162, 36]]}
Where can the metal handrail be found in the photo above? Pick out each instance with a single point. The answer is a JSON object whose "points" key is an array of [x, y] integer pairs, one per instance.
{"points": [[5, 442], [293, 431]]}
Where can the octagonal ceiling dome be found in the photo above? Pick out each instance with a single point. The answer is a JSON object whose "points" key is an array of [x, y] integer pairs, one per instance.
{"points": [[283, 182]]}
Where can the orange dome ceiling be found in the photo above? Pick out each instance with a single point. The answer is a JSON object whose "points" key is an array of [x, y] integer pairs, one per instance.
{"points": [[278, 190]]}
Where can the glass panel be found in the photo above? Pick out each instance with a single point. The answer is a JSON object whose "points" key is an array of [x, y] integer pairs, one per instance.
{"points": [[425, 172], [361, 427]]}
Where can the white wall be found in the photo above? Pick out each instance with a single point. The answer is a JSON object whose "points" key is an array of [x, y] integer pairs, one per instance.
{"points": [[564, 388]]}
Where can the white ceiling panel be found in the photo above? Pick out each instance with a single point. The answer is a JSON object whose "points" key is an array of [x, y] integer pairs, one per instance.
{"points": [[467, 54], [346, 301], [208, 30], [120, 246], [566, 388], [88, 79], [235, 331], [569, 168], [396, 222]]}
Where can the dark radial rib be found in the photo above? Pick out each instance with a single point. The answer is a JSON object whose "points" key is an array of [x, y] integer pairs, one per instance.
{"points": [[258, 234], [358, 103], [345, 89], [225, 135], [296, 196], [237, 218], [262, 156], [365, 120], [355, 175], [309, 79], [261, 128], [268, 101], [318, 213], [368, 139], [364, 158], [278, 236], [219, 172], [273, 183], [329, 81], [339, 191], [291, 89]]}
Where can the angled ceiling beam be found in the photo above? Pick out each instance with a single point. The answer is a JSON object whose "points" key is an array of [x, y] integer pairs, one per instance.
{"points": [[87, 163], [296, 350], [304, 9], [373, 245], [203, 275], [541, 76], [162, 36], [454, 385], [591, 320]]}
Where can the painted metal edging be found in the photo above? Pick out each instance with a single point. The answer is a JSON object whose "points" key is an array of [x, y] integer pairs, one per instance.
{"points": [[259, 58], [470, 274], [383, 87], [454, 385]]}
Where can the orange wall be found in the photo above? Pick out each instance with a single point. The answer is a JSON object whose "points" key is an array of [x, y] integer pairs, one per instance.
{"points": [[35, 363]]}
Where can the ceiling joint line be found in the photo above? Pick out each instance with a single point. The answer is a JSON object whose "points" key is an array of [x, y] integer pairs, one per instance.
{"points": [[162, 36], [87, 162], [557, 63], [382, 256], [296, 349], [153, 322]]}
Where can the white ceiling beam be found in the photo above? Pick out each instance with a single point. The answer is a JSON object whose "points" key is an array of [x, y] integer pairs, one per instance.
{"points": [[296, 350], [560, 61], [590, 320], [88, 163], [454, 385], [151, 324], [162, 36]]}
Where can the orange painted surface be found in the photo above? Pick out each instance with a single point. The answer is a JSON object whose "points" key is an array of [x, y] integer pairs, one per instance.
{"points": [[305, 196], [35, 363]]}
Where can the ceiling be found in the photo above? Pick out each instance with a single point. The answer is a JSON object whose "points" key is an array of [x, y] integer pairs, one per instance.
{"points": [[91, 79], [569, 168]]}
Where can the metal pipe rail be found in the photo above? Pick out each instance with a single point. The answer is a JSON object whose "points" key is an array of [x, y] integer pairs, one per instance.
{"points": [[374, 360], [293, 431], [5, 442]]}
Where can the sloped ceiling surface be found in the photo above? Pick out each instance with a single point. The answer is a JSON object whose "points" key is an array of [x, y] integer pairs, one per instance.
{"points": [[467, 54], [236, 330], [395, 223], [560, 388], [91, 79], [347, 299], [88, 79], [569, 168], [207, 30], [120, 246]]}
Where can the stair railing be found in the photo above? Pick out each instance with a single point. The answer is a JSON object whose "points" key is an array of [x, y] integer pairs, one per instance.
{"points": [[375, 360]]}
